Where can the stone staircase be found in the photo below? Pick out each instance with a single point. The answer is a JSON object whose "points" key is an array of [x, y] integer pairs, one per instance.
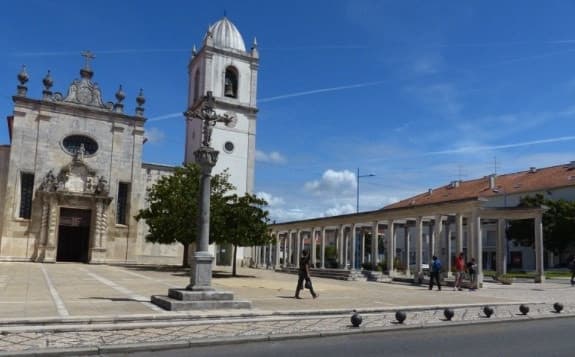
{"points": [[182, 299], [339, 274]]}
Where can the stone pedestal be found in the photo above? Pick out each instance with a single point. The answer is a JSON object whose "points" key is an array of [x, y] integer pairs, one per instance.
{"points": [[182, 299], [201, 272]]}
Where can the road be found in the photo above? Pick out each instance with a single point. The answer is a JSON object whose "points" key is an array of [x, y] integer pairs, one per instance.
{"points": [[550, 337]]}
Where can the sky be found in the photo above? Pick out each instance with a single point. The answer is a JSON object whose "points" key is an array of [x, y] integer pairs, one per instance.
{"points": [[413, 94]]}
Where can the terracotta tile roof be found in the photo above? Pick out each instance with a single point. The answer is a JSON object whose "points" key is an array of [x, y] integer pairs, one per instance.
{"points": [[518, 182]]}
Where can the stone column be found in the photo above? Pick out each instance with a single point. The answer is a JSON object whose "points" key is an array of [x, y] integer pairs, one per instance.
{"points": [[362, 257], [435, 246], [313, 248], [478, 247], [458, 234], [341, 239], [375, 244], [43, 230], [407, 237], [323, 247], [52, 243], [539, 268], [352, 233], [501, 256], [390, 247], [418, 246], [470, 242], [289, 248], [298, 247], [448, 247]]}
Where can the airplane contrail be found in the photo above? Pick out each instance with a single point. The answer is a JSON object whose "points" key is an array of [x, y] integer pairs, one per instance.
{"points": [[504, 146], [322, 90], [107, 52], [289, 95]]}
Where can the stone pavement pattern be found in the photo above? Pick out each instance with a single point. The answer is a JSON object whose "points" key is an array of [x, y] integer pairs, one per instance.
{"points": [[93, 306]]}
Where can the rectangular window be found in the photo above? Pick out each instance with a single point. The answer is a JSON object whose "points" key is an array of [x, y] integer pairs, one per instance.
{"points": [[26, 193], [122, 208]]}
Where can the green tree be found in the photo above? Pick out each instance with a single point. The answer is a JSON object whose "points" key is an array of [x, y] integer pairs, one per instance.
{"points": [[558, 224], [173, 207], [243, 223]]}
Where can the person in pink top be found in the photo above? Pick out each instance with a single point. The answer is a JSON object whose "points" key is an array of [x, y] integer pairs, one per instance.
{"points": [[459, 271]]}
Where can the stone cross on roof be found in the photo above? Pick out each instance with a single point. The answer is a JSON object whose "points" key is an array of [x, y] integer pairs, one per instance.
{"points": [[88, 55]]}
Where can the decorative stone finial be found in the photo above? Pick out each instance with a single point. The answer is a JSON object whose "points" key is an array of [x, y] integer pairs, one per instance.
{"points": [[255, 52], [194, 51], [140, 100], [120, 96], [48, 83], [22, 78], [209, 40]]}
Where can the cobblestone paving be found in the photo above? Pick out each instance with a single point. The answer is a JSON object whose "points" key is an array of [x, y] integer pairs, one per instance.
{"points": [[266, 326]]}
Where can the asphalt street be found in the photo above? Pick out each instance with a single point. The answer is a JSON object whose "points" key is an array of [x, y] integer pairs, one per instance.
{"points": [[552, 337]]}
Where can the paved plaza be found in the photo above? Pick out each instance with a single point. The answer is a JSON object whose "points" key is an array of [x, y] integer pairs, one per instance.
{"points": [[99, 308]]}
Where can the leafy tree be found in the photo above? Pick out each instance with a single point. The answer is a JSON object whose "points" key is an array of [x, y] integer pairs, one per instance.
{"points": [[558, 224], [242, 223], [173, 207]]}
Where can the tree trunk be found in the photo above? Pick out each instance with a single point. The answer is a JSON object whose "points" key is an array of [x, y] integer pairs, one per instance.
{"points": [[185, 261], [234, 260]]}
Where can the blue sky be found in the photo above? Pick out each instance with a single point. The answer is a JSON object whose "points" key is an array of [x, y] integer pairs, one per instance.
{"points": [[418, 93]]}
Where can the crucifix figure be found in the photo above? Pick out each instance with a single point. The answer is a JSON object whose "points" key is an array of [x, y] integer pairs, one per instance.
{"points": [[209, 118], [88, 55]]}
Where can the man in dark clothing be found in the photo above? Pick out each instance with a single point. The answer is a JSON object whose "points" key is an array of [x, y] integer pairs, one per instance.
{"points": [[303, 274], [434, 271], [572, 267]]}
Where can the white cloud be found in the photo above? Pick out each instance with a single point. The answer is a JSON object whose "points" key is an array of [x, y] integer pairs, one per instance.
{"points": [[155, 135], [270, 199], [273, 157], [340, 209], [333, 182]]}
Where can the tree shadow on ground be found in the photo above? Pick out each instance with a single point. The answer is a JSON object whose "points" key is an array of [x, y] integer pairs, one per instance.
{"points": [[113, 299], [222, 274], [178, 270]]}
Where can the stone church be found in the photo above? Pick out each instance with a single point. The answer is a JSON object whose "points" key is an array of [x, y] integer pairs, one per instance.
{"points": [[72, 177]]}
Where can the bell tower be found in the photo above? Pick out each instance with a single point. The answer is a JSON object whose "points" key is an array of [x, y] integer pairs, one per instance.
{"points": [[223, 66]]}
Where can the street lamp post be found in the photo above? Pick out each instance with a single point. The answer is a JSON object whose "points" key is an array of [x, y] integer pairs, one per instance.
{"points": [[358, 176], [206, 157]]}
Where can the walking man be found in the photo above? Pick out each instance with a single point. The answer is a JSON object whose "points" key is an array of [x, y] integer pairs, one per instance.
{"points": [[472, 270], [435, 270], [459, 271], [303, 274]]}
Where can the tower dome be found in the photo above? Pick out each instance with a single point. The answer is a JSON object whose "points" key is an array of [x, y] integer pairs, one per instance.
{"points": [[226, 35]]}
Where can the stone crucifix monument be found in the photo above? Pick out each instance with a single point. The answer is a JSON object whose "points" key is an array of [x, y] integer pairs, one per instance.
{"points": [[200, 294]]}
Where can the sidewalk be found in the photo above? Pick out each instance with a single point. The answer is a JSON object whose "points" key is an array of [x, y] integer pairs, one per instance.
{"points": [[98, 308]]}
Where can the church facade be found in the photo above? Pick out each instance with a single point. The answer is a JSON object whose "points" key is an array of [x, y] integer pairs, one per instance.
{"points": [[72, 178]]}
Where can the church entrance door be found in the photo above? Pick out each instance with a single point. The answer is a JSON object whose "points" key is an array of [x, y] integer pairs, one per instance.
{"points": [[74, 235]]}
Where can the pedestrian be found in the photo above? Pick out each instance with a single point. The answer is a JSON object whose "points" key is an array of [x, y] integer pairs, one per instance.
{"points": [[572, 268], [435, 270], [472, 271], [303, 274], [459, 271]]}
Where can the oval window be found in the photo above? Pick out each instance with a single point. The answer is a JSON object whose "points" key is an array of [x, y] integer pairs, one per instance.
{"points": [[73, 143], [228, 146]]}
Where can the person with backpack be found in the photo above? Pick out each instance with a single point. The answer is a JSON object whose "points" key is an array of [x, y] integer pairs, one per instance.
{"points": [[472, 271], [434, 271]]}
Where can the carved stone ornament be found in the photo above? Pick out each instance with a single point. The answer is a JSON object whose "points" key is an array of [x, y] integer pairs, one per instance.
{"points": [[84, 91], [206, 156], [76, 177]]}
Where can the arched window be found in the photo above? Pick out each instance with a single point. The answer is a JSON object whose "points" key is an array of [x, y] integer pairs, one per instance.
{"points": [[196, 85], [231, 83]]}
